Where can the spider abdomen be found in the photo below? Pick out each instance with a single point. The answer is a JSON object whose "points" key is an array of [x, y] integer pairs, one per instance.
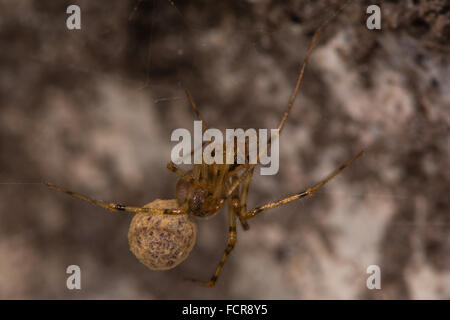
{"points": [[159, 241]]}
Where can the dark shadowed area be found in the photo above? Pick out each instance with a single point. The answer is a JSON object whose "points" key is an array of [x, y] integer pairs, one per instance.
{"points": [[93, 110]]}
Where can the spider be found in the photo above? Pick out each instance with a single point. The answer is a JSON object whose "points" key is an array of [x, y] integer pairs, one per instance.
{"points": [[162, 233]]}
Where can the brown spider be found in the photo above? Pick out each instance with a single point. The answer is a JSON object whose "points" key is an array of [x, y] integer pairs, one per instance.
{"points": [[162, 233]]}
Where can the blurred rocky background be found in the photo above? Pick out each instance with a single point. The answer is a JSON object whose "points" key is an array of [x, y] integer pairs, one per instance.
{"points": [[93, 110]]}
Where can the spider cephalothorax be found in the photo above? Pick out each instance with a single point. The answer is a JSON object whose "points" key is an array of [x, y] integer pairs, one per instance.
{"points": [[163, 232], [196, 199]]}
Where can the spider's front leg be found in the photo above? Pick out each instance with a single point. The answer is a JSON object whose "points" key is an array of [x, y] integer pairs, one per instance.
{"points": [[239, 208], [232, 239], [302, 194], [115, 206], [243, 200]]}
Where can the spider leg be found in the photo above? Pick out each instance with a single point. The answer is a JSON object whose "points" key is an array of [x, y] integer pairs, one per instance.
{"points": [[307, 192], [288, 109], [236, 170], [194, 106], [235, 202], [171, 166], [190, 178], [249, 167], [232, 239], [243, 201], [221, 180], [245, 179], [186, 176], [299, 80], [248, 171], [116, 206]]}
